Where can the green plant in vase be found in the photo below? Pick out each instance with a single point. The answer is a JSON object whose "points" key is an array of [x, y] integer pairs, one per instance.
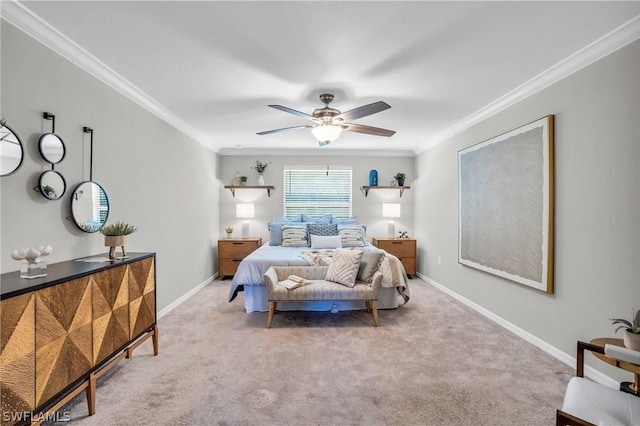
{"points": [[631, 330], [114, 236], [400, 177], [260, 167], [243, 180]]}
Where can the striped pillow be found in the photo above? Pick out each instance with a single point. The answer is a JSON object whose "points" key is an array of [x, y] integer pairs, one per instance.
{"points": [[294, 236], [352, 236]]}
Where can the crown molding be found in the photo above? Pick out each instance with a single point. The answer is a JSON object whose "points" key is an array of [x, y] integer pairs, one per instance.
{"points": [[605, 45], [22, 18]]}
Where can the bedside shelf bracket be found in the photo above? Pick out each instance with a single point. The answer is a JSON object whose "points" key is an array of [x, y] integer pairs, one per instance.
{"points": [[232, 188], [367, 188]]}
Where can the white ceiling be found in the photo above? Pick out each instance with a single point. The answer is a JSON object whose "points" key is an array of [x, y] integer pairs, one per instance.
{"points": [[211, 67]]}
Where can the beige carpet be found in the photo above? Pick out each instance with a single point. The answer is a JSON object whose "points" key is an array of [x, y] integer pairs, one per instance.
{"points": [[432, 362]]}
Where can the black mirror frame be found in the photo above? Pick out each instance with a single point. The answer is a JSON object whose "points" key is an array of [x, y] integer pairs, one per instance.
{"points": [[64, 147], [73, 198], [21, 151], [40, 187]]}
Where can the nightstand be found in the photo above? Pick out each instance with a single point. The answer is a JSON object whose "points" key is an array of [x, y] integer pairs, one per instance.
{"points": [[231, 252], [403, 248]]}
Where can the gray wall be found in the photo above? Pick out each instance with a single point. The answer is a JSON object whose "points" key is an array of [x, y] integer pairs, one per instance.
{"points": [[597, 200], [156, 177], [368, 209]]}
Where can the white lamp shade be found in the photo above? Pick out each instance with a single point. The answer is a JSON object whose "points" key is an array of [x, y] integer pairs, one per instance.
{"points": [[245, 210], [390, 209], [326, 132]]}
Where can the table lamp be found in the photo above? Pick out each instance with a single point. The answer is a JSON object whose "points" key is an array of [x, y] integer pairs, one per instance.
{"points": [[391, 210], [245, 211]]}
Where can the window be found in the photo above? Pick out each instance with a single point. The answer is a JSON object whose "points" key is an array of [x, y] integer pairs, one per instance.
{"points": [[317, 191]]}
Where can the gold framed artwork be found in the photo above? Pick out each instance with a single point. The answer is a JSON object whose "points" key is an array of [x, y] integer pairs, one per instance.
{"points": [[505, 205]]}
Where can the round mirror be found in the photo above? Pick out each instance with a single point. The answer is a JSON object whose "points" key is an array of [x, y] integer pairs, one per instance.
{"points": [[89, 206], [51, 148], [11, 152], [52, 185]]}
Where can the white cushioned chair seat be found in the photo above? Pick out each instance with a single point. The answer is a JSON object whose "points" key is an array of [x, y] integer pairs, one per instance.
{"points": [[599, 404]]}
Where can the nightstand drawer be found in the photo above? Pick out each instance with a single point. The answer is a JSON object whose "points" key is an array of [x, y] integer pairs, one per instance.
{"points": [[409, 264], [228, 266], [236, 249], [398, 247]]}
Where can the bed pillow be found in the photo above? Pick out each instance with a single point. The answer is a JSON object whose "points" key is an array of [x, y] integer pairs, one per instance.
{"points": [[275, 231], [352, 235], [282, 219], [294, 236], [352, 220], [322, 229], [317, 219], [369, 264], [325, 241], [344, 266]]}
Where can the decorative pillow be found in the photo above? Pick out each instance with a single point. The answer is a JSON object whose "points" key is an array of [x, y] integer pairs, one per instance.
{"points": [[344, 267], [344, 220], [317, 219], [282, 219], [325, 241], [275, 231], [369, 264], [294, 236], [352, 235], [322, 229]]}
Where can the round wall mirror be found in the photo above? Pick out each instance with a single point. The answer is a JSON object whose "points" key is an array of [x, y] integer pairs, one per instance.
{"points": [[52, 185], [89, 206], [11, 152], [51, 148]]}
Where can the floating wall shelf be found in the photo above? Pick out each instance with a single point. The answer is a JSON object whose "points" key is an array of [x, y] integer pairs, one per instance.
{"points": [[367, 188], [233, 188]]}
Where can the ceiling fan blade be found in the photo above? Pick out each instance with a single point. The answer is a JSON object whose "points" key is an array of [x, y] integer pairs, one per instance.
{"points": [[284, 129], [370, 130], [292, 111], [363, 111]]}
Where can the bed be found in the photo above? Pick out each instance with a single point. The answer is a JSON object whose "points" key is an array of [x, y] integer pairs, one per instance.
{"points": [[249, 278]]}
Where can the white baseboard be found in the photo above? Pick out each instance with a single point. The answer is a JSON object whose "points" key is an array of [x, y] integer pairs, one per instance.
{"points": [[186, 296], [567, 359]]}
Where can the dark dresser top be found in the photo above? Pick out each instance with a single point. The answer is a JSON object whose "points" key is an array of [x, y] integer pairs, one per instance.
{"points": [[12, 285]]}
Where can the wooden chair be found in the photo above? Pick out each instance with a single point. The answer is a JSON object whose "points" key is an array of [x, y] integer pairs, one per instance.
{"points": [[589, 403]]}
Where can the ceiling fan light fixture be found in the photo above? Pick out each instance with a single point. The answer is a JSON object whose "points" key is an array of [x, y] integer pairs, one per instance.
{"points": [[326, 132]]}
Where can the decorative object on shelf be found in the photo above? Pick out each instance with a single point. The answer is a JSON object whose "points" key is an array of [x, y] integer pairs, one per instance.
{"points": [[260, 167], [373, 178], [11, 150], [35, 266], [403, 234], [114, 236], [631, 330], [236, 180], [229, 231], [391, 210], [400, 177], [53, 151], [245, 211], [243, 180]]}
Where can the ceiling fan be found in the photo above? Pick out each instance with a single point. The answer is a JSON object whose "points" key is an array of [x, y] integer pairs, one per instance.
{"points": [[329, 122]]}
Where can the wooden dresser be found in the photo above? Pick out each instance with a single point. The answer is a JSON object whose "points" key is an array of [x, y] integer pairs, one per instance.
{"points": [[403, 248], [61, 332], [231, 252]]}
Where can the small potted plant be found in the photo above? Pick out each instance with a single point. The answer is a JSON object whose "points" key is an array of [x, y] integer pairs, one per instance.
{"points": [[229, 231], [243, 180], [631, 330], [400, 177], [260, 168], [114, 236]]}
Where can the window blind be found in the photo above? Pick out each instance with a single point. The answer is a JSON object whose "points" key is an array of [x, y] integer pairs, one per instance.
{"points": [[317, 191]]}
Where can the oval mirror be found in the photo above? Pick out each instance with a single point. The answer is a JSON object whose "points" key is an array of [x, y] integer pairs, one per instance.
{"points": [[52, 185], [11, 152], [51, 148], [89, 206]]}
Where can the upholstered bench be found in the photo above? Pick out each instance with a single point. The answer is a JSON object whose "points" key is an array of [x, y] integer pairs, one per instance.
{"points": [[319, 289]]}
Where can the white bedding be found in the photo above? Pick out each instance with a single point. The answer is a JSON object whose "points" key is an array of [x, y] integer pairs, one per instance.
{"points": [[250, 278]]}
